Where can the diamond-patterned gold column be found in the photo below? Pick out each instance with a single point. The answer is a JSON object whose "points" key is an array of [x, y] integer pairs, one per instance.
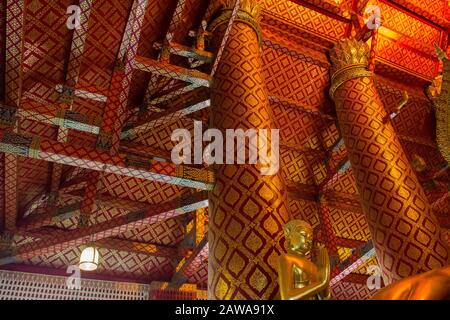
{"points": [[247, 210], [406, 235]]}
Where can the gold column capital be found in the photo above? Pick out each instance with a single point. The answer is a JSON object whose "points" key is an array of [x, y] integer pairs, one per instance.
{"points": [[249, 13], [439, 94], [350, 59]]}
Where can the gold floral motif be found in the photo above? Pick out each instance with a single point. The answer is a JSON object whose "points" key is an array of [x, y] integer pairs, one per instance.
{"points": [[439, 93], [249, 13], [350, 59]]}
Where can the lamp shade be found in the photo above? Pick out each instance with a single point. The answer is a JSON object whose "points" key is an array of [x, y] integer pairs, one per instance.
{"points": [[89, 259]]}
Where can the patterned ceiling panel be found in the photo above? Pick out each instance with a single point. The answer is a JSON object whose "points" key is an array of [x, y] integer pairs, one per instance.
{"points": [[409, 26], [306, 18], [291, 78], [200, 277], [33, 179], [46, 42], [37, 128], [320, 171], [82, 139], [397, 87], [140, 190], [349, 225], [294, 166], [329, 134], [197, 272], [392, 72], [98, 215], [408, 42], [170, 232], [337, 7], [435, 10], [304, 210], [159, 137], [407, 59], [88, 107], [344, 253], [297, 128], [344, 182]]}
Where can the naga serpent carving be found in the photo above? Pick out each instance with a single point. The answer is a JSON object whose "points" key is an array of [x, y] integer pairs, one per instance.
{"points": [[439, 93]]}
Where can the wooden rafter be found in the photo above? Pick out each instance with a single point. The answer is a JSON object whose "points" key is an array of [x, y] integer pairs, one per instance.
{"points": [[15, 26], [49, 215], [64, 153], [72, 74], [57, 241]]}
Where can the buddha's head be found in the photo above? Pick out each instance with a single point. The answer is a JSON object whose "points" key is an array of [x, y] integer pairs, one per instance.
{"points": [[299, 236]]}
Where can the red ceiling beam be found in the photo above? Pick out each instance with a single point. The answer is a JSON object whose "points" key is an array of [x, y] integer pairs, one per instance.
{"points": [[64, 153], [147, 249], [330, 8], [116, 104], [171, 71], [15, 22], [302, 191], [48, 215], [72, 74], [117, 101], [58, 241], [11, 191], [52, 115], [343, 201], [167, 116], [15, 26]]}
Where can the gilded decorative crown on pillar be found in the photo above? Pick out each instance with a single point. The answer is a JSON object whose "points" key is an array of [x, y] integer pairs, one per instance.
{"points": [[252, 7], [439, 94], [249, 12], [349, 59]]}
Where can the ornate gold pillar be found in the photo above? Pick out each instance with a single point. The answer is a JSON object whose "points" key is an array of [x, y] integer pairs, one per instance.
{"points": [[247, 210], [405, 233]]}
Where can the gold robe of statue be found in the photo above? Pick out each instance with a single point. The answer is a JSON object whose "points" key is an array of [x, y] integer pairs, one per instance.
{"points": [[300, 278], [432, 285]]}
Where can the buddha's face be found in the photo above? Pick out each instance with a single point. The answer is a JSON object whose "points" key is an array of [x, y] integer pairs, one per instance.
{"points": [[300, 240]]}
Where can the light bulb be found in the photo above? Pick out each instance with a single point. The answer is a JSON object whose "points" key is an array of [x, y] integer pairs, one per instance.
{"points": [[89, 259]]}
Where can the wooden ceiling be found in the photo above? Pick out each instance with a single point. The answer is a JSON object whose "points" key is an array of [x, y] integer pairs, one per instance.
{"points": [[61, 87]]}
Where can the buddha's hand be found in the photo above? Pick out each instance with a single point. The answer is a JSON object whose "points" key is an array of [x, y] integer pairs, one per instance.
{"points": [[322, 254], [323, 263]]}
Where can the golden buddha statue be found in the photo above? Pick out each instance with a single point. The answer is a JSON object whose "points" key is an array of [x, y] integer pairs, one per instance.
{"points": [[432, 285], [299, 277]]}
